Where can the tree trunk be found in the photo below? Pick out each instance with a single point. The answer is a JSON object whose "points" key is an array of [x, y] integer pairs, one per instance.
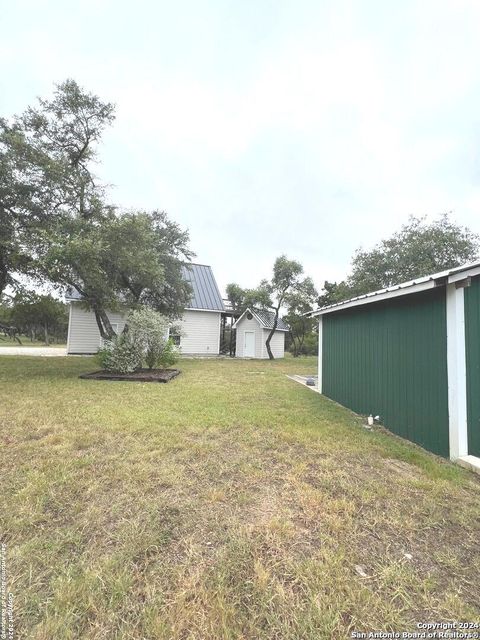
{"points": [[103, 323], [295, 348], [270, 335], [45, 328]]}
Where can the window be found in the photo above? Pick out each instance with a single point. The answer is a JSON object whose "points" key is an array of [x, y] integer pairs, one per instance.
{"points": [[174, 336], [249, 316]]}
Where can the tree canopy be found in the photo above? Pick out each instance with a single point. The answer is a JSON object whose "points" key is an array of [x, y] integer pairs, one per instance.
{"points": [[418, 249], [57, 225], [47, 155]]}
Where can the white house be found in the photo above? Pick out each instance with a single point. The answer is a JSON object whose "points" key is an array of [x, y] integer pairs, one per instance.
{"points": [[200, 323], [253, 327]]}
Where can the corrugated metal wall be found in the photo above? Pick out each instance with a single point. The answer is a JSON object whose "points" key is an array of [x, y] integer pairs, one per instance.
{"points": [[390, 358], [472, 341]]}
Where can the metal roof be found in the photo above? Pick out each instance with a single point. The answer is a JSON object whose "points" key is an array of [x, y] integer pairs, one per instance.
{"points": [[205, 296], [404, 288], [265, 318]]}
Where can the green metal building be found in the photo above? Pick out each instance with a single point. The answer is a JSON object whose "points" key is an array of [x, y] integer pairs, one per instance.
{"points": [[411, 354]]}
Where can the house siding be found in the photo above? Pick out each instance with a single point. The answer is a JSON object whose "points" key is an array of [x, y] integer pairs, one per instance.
{"points": [[277, 343], [83, 333], [391, 359], [472, 347], [248, 325], [201, 331]]}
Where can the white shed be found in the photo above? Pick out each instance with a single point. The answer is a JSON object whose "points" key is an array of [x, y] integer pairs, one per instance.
{"points": [[253, 327]]}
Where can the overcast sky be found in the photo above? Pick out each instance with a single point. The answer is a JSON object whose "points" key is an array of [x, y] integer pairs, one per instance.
{"points": [[267, 126]]}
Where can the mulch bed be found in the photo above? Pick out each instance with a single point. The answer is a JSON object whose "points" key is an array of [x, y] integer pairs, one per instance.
{"points": [[142, 375]]}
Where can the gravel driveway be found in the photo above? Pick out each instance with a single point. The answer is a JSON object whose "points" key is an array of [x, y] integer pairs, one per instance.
{"points": [[33, 351]]}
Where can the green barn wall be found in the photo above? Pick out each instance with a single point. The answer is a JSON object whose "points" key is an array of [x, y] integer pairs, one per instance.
{"points": [[390, 358], [472, 342]]}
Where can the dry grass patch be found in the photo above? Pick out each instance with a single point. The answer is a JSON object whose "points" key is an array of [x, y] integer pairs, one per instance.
{"points": [[225, 505]]}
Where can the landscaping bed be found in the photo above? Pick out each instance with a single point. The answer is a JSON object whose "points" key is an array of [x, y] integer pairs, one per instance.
{"points": [[141, 375]]}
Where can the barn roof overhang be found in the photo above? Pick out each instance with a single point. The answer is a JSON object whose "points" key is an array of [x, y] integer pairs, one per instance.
{"points": [[455, 275]]}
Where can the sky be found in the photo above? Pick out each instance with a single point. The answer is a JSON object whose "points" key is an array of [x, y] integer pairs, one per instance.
{"points": [[268, 127]]}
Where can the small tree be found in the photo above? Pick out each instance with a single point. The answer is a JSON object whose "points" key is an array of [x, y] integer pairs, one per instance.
{"points": [[285, 282]]}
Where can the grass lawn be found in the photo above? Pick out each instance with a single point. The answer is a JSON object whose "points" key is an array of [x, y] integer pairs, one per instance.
{"points": [[231, 503]]}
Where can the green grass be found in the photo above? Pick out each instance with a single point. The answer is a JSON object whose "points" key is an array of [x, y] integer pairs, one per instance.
{"points": [[231, 503]]}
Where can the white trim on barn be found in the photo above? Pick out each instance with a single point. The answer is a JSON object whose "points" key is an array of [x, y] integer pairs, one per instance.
{"points": [[320, 355], [404, 288], [457, 373]]}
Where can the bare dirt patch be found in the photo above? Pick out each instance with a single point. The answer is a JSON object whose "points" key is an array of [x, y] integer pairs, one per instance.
{"points": [[403, 468]]}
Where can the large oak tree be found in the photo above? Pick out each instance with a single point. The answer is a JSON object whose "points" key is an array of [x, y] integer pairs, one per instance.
{"points": [[57, 225]]}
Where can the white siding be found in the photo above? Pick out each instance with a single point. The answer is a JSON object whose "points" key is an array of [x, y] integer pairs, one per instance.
{"points": [[201, 333], [83, 333], [277, 344], [248, 325]]}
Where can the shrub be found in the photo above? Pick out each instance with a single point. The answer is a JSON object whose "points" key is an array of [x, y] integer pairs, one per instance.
{"points": [[144, 340], [310, 345], [149, 330], [121, 354], [170, 354]]}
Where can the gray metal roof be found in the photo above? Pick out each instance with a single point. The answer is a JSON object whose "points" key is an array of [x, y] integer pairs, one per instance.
{"points": [[206, 295], [205, 290], [265, 318]]}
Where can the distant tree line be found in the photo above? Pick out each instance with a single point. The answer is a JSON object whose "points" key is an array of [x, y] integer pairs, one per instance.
{"points": [[38, 317]]}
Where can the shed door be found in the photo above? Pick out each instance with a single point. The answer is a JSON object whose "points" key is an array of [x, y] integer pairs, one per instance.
{"points": [[249, 344]]}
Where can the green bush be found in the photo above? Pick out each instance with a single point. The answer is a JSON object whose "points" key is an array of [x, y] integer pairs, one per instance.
{"points": [[310, 345], [122, 354], [169, 355], [308, 348], [144, 341], [149, 330]]}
